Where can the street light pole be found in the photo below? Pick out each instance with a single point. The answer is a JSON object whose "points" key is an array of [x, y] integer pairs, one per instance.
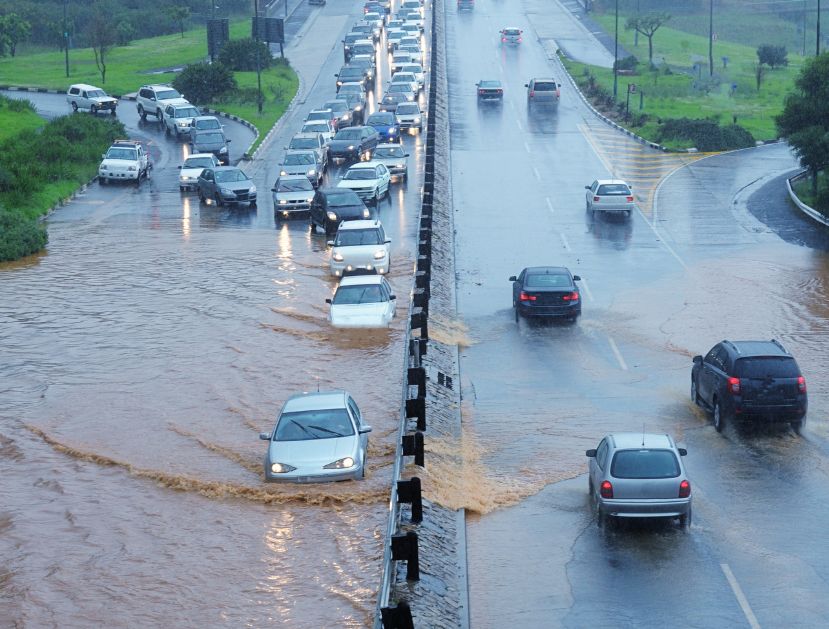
{"points": [[710, 37], [817, 45], [258, 62], [66, 37], [616, 55]]}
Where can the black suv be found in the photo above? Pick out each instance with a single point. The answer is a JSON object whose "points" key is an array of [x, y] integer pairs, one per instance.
{"points": [[332, 205], [750, 380]]}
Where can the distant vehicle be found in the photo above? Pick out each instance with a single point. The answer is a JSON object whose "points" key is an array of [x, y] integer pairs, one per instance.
{"points": [[416, 69], [318, 437], [393, 37], [302, 163], [400, 58], [409, 78], [291, 194], [370, 180], [357, 105], [639, 475], [407, 89], [363, 47], [192, 168], [205, 123], [348, 41], [546, 292], [226, 185], [409, 116], [413, 17], [412, 29], [511, 35], [211, 141], [360, 246], [331, 206], [609, 195], [391, 101], [326, 115], [367, 64], [310, 141], [124, 160], [83, 96], [415, 52], [341, 111], [323, 127], [395, 157], [386, 125], [543, 91], [363, 301], [351, 74], [376, 20], [466, 5], [490, 91], [749, 381], [353, 143]]}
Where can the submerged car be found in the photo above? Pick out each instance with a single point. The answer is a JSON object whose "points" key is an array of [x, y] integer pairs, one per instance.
{"points": [[193, 167], [547, 292], [291, 194], [639, 475], [226, 185], [363, 301], [360, 246], [317, 437], [395, 158]]}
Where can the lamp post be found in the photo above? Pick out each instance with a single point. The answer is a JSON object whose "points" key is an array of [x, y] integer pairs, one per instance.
{"points": [[817, 39], [258, 61], [616, 55], [710, 37], [66, 37]]}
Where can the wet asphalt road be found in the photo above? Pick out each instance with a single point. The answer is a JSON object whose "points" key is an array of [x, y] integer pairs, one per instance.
{"points": [[714, 252]]}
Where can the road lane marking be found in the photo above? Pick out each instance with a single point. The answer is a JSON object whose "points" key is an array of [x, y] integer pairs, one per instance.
{"points": [[550, 205], [617, 353], [527, 147], [586, 289], [564, 241], [520, 128], [741, 598], [537, 174]]}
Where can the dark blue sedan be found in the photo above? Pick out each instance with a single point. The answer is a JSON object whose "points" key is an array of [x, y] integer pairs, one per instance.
{"points": [[385, 122], [546, 291]]}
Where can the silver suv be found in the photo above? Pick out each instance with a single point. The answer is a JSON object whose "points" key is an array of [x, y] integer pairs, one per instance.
{"points": [[639, 475], [151, 100], [178, 117]]}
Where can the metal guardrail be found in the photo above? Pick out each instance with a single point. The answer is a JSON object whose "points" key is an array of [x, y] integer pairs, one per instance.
{"points": [[807, 210]]}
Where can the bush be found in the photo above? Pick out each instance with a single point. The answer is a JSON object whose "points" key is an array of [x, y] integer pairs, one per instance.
{"points": [[628, 64], [205, 82], [772, 56], [706, 135], [240, 55], [20, 236]]}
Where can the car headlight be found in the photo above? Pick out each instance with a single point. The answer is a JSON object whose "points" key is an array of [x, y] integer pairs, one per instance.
{"points": [[223, 149], [392, 131], [312, 172], [340, 464], [282, 173], [185, 178], [103, 166], [358, 108], [252, 190], [131, 168], [351, 147], [337, 256], [283, 202], [332, 216], [379, 254], [366, 213], [417, 119], [281, 468], [182, 123], [309, 199]]}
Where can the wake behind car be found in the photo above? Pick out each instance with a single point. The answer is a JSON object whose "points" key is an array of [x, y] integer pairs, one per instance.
{"points": [[125, 160], [291, 194], [83, 96], [353, 143], [360, 246], [750, 381], [193, 167], [317, 437], [546, 292], [331, 206], [639, 475], [609, 195], [364, 301], [370, 180], [226, 185]]}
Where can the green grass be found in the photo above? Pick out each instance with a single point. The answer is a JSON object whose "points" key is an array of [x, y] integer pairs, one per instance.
{"points": [[128, 67], [686, 94], [13, 122]]}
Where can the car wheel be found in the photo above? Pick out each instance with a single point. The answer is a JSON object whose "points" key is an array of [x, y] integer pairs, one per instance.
{"points": [[719, 418], [363, 471], [93, 109], [74, 106], [685, 520], [694, 393], [201, 197], [797, 426], [142, 113], [102, 180], [112, 111], [601, 518], [517, 314], [159, 114], [628, 213], [377, 195], [590, 486], [167, 131], [217, 199]]}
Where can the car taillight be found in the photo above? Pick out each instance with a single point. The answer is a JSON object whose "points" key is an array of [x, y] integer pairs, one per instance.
{"points": [[684, 489], [574, 296], [503, 39], [596, 199], [519, 40], [525, 297], [480, 91], [606, 490], [801, 384], [532, 93], [629, 199], [734, 385]]}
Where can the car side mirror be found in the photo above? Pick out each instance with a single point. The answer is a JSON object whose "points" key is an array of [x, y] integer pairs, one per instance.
{"points": [[330, 243], [392, 297], [264, 436], [682, 451], [388, 242], [273, 189], [576, 278], [512, 278], [179, 167], [103, 156], [406, 155], [365, 429], [587, 188], [526, 84], [697, 360], [228, 140], [328, 301], [591, 453]]}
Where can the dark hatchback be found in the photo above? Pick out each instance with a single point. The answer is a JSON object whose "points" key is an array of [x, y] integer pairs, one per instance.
{"points": [[330, 206], [353, 143], [546, 292], [750, 380], [490, 91], [211, 141]]}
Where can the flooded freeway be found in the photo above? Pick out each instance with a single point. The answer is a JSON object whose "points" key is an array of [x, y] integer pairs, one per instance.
{"points": [[142, 354]]}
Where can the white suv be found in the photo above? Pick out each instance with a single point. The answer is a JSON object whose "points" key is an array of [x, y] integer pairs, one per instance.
{"points": [[360, 246], [152, 99], [124, 160], [83, 96], [178, 117]]}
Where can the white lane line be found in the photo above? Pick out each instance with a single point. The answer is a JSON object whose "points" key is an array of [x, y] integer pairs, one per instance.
{"points": [[527, 147], [741, 598], [537, 174], [520, 128], [617, 353], [550, 205], [586, 288], [564, 241]]}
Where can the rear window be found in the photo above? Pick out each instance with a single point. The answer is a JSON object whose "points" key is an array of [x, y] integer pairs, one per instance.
{"points": [[540, 280], [762, 367], [511, 31], [545, 86], [610, 189], [644, 464]]}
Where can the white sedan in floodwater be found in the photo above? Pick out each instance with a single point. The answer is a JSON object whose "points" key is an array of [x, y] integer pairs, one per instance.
{"points": [[364, 301]]}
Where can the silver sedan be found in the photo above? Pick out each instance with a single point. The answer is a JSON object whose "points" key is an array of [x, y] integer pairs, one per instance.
{"points": [[609, 195]]}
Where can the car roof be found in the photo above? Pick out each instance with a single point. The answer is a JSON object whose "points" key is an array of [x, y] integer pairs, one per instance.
{"points": [[543, 78], [624, 440], [368, 224], [205, 118], [292, 178], [361, 280], [744, 349], [320, 400], [547, 269], [388, 145], [201, 155], [180, 102], [84, 86], [363, 165], [226, 168], [602, 182]]}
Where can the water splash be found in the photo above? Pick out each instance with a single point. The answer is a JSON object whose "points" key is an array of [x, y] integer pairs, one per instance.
{"points": [[449, 332]]}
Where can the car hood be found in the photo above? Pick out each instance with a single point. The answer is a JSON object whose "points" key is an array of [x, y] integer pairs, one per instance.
{"points": [[297, 169], [192, 173], [103, 99], [359, 315], [312, 452], [340, 145], [358, 184], [236, 186], [390, 161], [121, 163], [299, 195], [348, 211], [207, 147]]}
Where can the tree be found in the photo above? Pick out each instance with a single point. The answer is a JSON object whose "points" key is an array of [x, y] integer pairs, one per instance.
{"points": [[205, 82], [772, 56], [179, 15], [647, 25], [240, 55], [804, 121], [102, 35], [15, 29]]}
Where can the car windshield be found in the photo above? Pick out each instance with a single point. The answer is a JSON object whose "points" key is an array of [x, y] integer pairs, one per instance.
{"points": [[319, 115], [187, 112], [408, 108], [351, 89], [226, 176], [545, 86], [122, 153], [293, 159], [543, 280], [411, 67], [360, 294], [363, 49], [348, 134], [644, 464], [96, 94], [318, 424], [403, 77], [209, 138], [167, 94], [316, 127], [343, 198], [391, 151], [337, 107], [511, 31], [208, 123], [360, 174], [198, 162], [399, 88], [767, 366], [304, 143], [352, 37], [294, 185], [354, 237], [610, 189], [382, 118]]}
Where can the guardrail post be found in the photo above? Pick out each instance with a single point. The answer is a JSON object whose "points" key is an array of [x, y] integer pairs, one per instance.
{"points": [[409, 491], [413, 445], [404, 548], [417, 408], [399, 617]]}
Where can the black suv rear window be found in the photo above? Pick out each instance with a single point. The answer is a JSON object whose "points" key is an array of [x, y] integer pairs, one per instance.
{"points": [[644, 464], [763, 366], [545, 86]]}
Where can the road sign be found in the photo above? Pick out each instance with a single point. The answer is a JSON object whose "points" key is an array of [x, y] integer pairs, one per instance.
{"points": [[218, 33], [268, 29]]}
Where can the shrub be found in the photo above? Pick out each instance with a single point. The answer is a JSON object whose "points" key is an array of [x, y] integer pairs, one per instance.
{"points": [[19, 236], [19, 105], [772, 56], [240, 55], [205, 82], [628, 64], [706, 135]]}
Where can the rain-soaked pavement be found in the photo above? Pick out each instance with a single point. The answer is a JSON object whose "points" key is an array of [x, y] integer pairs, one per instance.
{"points": [[142, 355], [715, 252]]}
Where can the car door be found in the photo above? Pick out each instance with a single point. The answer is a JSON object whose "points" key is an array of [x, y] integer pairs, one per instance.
{"points": [[707, 377], [206, 182], [391, 307], [385, 177]]}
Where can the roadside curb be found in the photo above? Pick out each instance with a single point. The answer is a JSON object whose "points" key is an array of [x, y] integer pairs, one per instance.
{"points": [[65, 201], [807, 210]]}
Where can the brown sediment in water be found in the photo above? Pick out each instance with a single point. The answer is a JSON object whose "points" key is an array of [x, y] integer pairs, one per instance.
{"points": [[219, 490], [449, 332], [9, 449], [246, 461], [319, 337], [299, 316]]}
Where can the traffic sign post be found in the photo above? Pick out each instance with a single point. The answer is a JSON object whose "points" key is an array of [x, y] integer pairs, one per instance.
{"points": [[631, 90]]}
